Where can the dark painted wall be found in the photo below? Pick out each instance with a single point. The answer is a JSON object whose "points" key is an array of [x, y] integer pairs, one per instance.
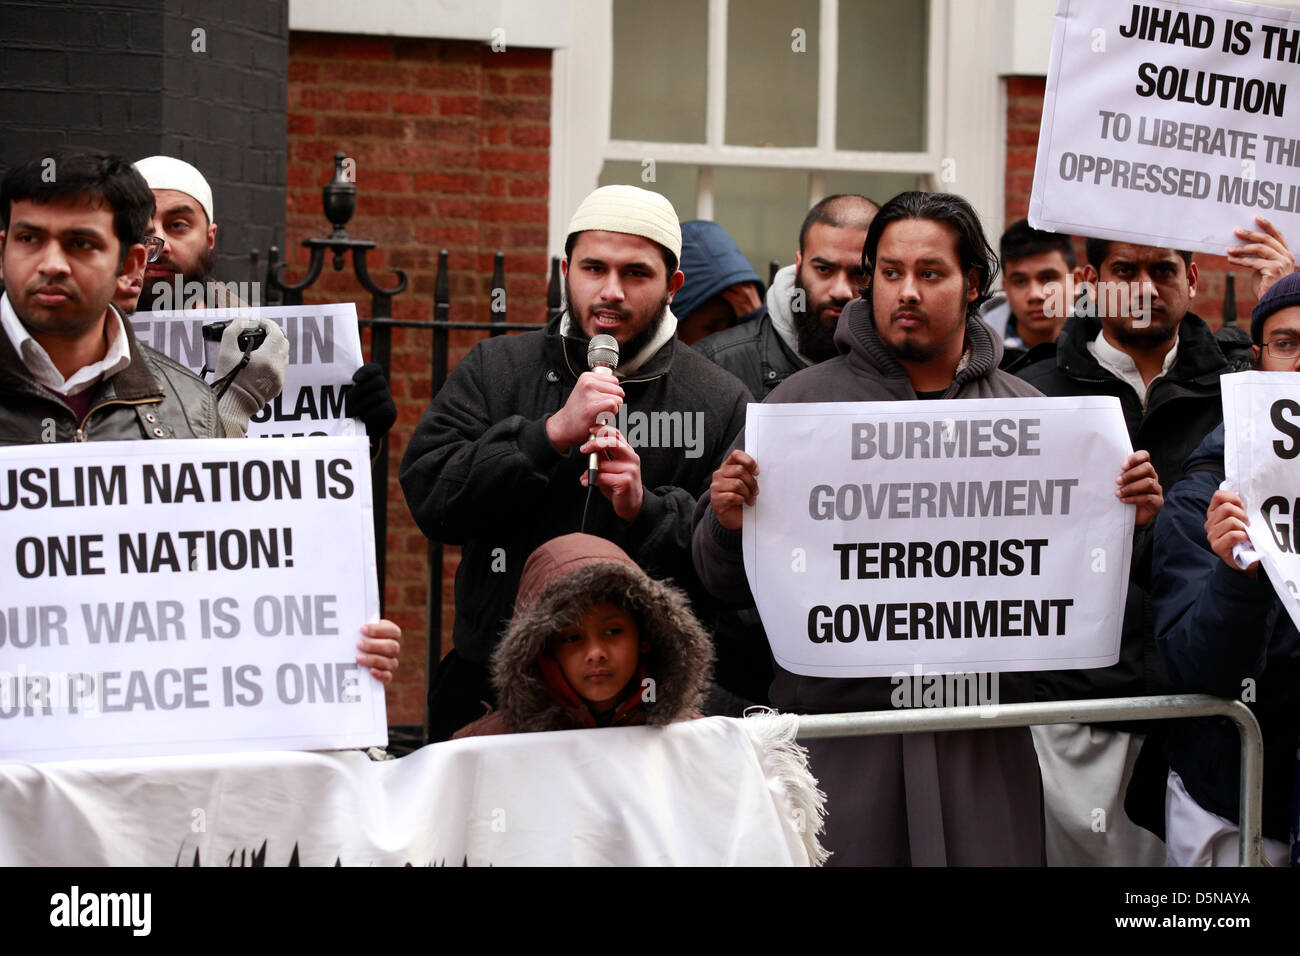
{"points": [[127, 76]]}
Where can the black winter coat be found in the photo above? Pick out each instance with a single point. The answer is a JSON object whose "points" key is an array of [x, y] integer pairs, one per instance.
{"points": [[1217, 628], [1182, 408], [481, 473], [754, 353]]}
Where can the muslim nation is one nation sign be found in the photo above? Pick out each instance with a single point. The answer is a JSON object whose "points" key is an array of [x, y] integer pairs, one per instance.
{"points": [[324, 351], [1262, 445], [952, 537], [172, 597], [1170, 124]]}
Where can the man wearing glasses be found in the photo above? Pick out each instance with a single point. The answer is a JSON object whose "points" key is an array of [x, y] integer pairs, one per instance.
{"points": [[1135, 338], [1221, 628]]}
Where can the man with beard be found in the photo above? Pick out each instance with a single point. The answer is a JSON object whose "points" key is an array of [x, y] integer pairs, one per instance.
{"points": [[1135, 338], [804, 303], [967, 797], [183, 220], [499, 462]]}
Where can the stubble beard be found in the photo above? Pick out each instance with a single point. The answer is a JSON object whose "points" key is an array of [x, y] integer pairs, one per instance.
{"points": [[633, 346], [200, 273]]}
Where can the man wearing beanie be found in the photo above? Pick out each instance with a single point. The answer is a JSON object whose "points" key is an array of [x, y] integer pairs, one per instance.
{"points": [[498, 463], [1219, 625]]}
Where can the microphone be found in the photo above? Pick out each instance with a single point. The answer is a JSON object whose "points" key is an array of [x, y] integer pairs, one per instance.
{"points": [[602, 358]]}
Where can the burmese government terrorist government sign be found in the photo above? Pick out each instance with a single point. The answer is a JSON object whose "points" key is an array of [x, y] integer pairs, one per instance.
{"points": [[1262, 445], [174, 596], [1170, 124], [975, 535]]}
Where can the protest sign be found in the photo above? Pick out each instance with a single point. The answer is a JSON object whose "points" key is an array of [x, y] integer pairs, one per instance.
{"points": [[1169, 124], [973, 535], [1261, 411], [324, 351], [185, 596]]}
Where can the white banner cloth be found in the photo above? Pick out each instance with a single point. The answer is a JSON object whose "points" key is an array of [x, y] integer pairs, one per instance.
{"points": [[954, 537], [1169, 124], [715, 792], [324, 351], [1261, 411]]}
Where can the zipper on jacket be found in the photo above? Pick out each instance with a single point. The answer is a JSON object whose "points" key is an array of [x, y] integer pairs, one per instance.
{"points": [[81, 429]]}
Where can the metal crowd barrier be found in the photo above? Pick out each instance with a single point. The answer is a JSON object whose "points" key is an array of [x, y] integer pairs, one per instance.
{"points": [[989, 716]]}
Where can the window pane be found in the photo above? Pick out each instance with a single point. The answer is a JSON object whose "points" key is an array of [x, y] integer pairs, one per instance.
{"points": [[880, 187], [882, 71], [772, 88], [660, 56], [762, 210], [679, 184]]}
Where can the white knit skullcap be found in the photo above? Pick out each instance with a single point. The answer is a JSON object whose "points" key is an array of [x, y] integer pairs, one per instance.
{"points": [[165, 172], [630, 210]]}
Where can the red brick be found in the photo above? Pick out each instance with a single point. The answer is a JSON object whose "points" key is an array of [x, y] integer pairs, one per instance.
{"points": [[497, 135], [417, 103], [457, 208], [316, 98], [366, 74], [1026, 86], [382, 180], [497, 83], [1021, 159], [530, 136], [409, 207], [302, 124], [1025, 115], [517, 109], [523, 237], [530, 188], [496, 187], [300, 72], [379, 127], [1022, 136], [514, 212], [447, 183], [519, 161], [366, 101], [459, 105], [452, 158], [448, 78], [531, 84], [445, 131]]}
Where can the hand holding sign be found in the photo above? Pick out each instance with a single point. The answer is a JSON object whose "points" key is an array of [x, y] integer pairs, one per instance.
{"points": [[1266, 255], [380, 648], [1225, 527], [1140, 485], [734, 485]]}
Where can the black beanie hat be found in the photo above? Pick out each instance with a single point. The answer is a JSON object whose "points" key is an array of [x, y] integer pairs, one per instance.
{"points": [[1282, 294]]}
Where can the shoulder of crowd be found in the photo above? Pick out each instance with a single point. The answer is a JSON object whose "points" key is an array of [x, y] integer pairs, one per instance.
{"points": [[738, 336], [694, 367]]}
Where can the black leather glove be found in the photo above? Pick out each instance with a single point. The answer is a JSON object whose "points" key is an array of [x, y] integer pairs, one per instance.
{"points": [[370, 400]]}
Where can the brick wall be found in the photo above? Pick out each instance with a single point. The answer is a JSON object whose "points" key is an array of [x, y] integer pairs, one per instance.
{"points": [[1024, 111], [452, 150]]}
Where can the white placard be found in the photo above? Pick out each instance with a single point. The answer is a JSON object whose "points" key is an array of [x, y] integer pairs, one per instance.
{"points": [[1261, 412], [868, 546], [185, 597], [324, 351], [1170, 124]]}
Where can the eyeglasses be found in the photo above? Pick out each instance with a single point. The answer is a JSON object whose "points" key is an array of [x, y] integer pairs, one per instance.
{"points": [[1283, 348], [154, 246]]}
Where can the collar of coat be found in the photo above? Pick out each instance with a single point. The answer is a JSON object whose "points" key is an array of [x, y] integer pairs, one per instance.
{"points": [[857, 334], [133, 383], [575, 354], [1200, 361]]}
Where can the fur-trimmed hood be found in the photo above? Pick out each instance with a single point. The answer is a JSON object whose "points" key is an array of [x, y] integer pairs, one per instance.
{"points": [[562, 580]]}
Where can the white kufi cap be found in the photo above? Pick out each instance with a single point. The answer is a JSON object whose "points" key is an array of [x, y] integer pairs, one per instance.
{"points": [[165, 172], [630, 210]]}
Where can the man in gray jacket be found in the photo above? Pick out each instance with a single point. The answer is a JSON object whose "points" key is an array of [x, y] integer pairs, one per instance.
{"points": [[957, 798]]}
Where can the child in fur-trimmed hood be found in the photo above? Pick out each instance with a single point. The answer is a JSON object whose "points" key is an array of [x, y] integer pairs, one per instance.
{"points": [[595, 642]]}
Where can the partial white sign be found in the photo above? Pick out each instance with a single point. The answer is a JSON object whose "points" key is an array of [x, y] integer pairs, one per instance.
{"points": [[169, 597], [324, 351], [1170, 124], [1262, 442], [962, 536]]}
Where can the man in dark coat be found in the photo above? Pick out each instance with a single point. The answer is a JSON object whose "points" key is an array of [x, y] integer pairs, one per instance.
{"points": [[804, 304], [1135, 338], [1221, 628], [499, 462], [968, 797]]}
